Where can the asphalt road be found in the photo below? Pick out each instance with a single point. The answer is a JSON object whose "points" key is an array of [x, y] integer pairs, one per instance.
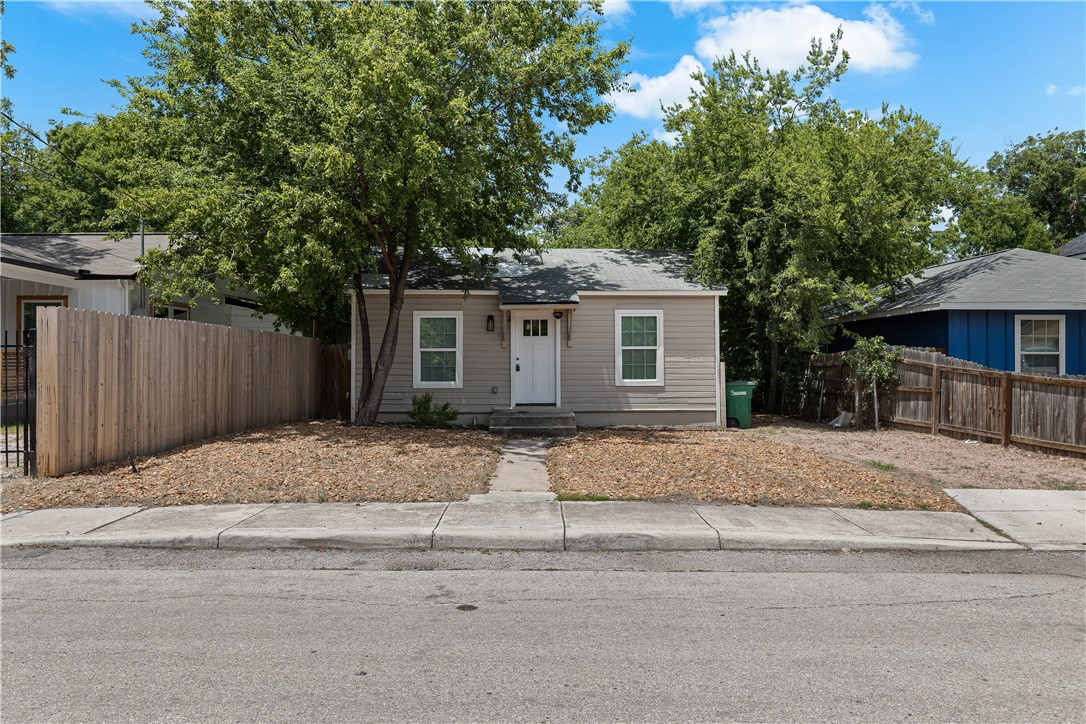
{"points": [[117, 636]]}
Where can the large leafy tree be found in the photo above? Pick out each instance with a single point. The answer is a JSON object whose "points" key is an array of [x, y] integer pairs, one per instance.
{"points": [[1031, 196], [1049, 173], [787, 199], [296, 147], [69, 184]]}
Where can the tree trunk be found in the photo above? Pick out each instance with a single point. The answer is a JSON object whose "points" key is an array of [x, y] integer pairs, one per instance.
{"points": [[367, 345], [370, 403], [774, 368]]}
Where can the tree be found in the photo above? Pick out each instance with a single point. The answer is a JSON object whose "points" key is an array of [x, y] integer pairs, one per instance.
{"points": [[1049, 173], [991, 219], [789, 201], [71, 183], [296, 148], [630, 203]]}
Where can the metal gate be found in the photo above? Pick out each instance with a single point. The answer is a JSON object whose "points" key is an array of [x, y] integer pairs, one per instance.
{"points": [[18, 413]]}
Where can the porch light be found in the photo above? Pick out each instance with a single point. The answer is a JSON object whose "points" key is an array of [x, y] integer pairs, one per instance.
{"points": [[558, 313], [490, 322]]}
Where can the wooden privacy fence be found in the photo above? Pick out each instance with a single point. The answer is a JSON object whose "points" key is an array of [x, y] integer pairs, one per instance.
{"points": [[116, 387], [944, 395]]}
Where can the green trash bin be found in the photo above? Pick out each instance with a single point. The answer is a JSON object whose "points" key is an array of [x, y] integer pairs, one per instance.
{"points": [[739, 395]]}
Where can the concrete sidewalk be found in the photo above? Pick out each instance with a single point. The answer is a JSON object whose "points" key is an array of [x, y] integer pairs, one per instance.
{"points": [[502, 524], [1043, 520]]}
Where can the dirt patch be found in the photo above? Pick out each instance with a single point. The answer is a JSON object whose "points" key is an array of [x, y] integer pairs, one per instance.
{"points": [[299, 463], [935, 460], [733, 466]]}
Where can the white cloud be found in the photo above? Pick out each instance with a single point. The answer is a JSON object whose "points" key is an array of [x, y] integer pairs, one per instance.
{"points": [[927, 17], [122, 9], [652, 92], [615, 11], [1054, 90], [779, 37], [680, 8], [666, 136]]}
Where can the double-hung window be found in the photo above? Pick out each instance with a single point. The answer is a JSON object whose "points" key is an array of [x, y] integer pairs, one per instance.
{"points": [[1039, 343], [639, 347], [438, 339]]}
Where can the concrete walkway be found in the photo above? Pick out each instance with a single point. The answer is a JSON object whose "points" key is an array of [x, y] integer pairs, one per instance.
{"points": [[521, 475], [548, 526], [1044, 520]]}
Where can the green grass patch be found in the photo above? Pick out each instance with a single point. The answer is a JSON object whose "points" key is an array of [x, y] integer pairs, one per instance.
{"points": [[886, 467], [865, 504], [577, 498], [992, 528], [1053, 484]]}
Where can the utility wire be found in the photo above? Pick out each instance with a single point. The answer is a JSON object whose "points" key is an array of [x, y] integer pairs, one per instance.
{"points": [[109, 186], [26, 164]]}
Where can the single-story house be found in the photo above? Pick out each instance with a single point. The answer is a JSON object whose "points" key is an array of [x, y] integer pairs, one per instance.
{"points": [[1016, 310], [90, 271], [1076, 248], [612, 336]]}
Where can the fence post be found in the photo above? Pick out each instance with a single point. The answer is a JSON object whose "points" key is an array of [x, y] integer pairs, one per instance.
{"points": [[936, 398], [30, 396], [1005, 411]]}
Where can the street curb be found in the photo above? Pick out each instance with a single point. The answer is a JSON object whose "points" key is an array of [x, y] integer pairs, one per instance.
{"points": [[498, 539]]}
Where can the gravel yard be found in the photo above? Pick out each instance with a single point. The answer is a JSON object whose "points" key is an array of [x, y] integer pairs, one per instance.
{"points": [[306, 462], [936, 460], [780, 461], [725, 466]]}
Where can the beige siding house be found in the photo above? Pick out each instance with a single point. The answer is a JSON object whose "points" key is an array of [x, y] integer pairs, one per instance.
{"points": [[614, 336]]}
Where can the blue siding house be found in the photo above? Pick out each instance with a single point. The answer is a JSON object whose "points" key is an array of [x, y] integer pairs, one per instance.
{"points": [[1015, 310]]}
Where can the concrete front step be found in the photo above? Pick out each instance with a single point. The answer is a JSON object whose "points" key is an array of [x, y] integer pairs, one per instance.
{"points": [[533, 422], [525, 431]]}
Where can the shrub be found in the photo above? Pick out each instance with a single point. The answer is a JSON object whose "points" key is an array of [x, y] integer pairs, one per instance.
{"points": [[424, 413]]}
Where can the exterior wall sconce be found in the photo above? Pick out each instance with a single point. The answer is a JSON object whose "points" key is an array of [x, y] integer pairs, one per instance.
{"points": [[490, 322], [558, 313]]}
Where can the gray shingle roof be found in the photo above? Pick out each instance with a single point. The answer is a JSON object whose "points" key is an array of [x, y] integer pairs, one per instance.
{"points": [[68, 254], [557, 275], [1005, 279], [1074, 248]]}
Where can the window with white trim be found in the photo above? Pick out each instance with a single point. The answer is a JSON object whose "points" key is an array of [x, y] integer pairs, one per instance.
{"points": [[639, 347], [1039, 342], [173, 311], [439, 342]]}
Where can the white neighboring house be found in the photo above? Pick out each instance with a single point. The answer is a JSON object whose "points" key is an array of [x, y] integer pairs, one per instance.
{"points": [[89, 271]]}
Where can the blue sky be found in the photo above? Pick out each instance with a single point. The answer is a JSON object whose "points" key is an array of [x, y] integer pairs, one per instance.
{"points": [[988, 73]]}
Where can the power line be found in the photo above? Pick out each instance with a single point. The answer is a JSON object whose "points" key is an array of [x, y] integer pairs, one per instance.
{"points": [[72, 161]]}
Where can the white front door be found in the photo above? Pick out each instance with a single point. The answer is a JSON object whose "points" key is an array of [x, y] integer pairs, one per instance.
{"points": [[535, 350]]}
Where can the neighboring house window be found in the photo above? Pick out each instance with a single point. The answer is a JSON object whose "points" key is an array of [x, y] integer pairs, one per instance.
{"points": [[439, 343], [173, 311], [639, 347], [1039, 342], [28, 308]]}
